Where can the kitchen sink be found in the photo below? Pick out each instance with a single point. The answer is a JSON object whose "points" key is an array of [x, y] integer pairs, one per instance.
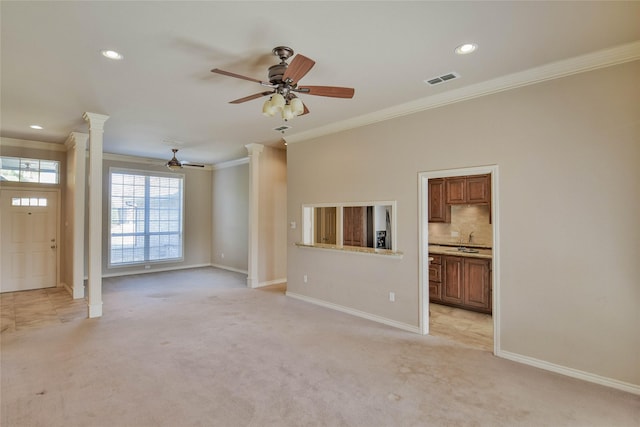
{"points": [[464, 250]]}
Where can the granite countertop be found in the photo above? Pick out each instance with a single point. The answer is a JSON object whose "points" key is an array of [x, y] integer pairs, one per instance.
{"points": [[483, 251]]}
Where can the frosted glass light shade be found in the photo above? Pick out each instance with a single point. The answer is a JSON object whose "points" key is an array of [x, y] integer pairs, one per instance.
{"points": [[277, 101], [297, 106], [287, 113], [268, 109]]}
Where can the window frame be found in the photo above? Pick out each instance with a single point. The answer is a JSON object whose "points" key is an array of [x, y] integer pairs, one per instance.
{"points": [[20, 170], [147, 174]]}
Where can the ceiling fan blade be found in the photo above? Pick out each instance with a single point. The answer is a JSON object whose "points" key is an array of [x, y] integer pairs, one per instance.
{"points": [[332, 91], [300, 65], [250, 97], [237, 76]]}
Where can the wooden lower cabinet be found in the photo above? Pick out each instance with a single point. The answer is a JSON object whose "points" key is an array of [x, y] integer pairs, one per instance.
{"points": [[452, 285], [435, 279], [477, 282], [464, 282]]}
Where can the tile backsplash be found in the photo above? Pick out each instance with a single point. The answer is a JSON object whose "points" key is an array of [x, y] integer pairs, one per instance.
{"points": [[464, 220]]}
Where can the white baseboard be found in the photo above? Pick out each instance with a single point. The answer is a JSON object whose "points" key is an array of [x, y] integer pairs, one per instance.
{"points": [[226, 267], [154, 270], [272, 282], [67, 288], [357, 313], [570, 372]]}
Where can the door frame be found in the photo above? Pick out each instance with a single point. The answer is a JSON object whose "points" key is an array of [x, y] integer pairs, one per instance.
{"points": [[423, 228], [40, 189]]}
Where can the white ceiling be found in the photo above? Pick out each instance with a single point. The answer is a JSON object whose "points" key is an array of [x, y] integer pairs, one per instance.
{"points": [[163, 94]]}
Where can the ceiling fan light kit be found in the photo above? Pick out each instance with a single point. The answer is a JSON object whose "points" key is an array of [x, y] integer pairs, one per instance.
{"points": [[174, 164], [283, 81]]}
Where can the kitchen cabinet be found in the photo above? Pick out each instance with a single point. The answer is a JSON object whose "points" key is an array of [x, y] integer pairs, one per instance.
{"points": [[439, 211], [435, 279], [477, 284], [478, 189], [457, 190], [460, 281], [453, 286], [475, 189]]}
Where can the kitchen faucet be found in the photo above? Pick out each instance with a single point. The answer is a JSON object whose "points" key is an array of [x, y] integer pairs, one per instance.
{"points": [[471, 237]]}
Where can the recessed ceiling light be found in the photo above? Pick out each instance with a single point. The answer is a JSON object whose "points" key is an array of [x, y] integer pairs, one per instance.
{"points": [[36, 127], [466, 48], [112, 54]]}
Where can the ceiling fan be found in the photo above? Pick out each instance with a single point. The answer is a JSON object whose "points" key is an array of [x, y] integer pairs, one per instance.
{"points": [[174, 164], [283, 85]]}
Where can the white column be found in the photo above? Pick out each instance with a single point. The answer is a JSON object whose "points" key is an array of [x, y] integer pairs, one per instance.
{"points": [[78, 142], [254, 218], [94, 288]]}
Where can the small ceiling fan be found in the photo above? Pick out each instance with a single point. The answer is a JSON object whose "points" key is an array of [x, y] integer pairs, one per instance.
{"points": [[284, 85], [174, 164]]}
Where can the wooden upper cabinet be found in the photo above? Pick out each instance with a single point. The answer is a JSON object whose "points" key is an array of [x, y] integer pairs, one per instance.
{"points": [[475, 189], [479, 189], [456, 190], [439, 211]]}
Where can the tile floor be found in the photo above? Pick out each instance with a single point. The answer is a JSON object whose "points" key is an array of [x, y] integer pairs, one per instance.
{"points": [[468, 327], [32, 309]]}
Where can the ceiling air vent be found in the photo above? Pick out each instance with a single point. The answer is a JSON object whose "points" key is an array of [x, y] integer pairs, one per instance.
{"points": [[282, 128], [443, 78]]}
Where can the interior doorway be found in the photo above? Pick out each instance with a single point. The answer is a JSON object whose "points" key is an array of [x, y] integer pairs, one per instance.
{"points": [[493, 263], [29, 245]]}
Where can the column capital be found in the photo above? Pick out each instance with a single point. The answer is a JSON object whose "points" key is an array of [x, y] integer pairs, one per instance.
{"points": [[254, 149], [96, 121], [76, 138]]}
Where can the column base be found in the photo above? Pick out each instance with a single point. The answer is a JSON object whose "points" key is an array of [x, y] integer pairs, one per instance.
{"points": [[95, 310], [251, 282], [78, 293]]}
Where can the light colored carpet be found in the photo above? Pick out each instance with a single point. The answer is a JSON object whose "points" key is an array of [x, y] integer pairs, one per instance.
{"points": [[197, 348]]}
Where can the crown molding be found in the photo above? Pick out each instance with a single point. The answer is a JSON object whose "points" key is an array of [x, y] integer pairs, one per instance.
{"points": [[579, 64], [231, 163], [36, 145], [76, 138], [145, 161]]}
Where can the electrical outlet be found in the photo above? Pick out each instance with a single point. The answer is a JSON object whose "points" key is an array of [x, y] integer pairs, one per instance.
{"points": [[392, 296], [222, 255], [147, 267], [455, 234], [305, 278]]}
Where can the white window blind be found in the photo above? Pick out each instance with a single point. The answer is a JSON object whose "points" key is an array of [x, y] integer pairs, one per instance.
{"points": [[146, 217]]}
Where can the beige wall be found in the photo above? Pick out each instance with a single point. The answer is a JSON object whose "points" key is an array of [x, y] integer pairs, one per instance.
{"points": [[230, 218], [568, 152], [272, 212], [197, 218]]}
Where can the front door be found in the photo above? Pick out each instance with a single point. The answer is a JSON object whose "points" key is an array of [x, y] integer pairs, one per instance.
{"points": [[29, 239]]}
